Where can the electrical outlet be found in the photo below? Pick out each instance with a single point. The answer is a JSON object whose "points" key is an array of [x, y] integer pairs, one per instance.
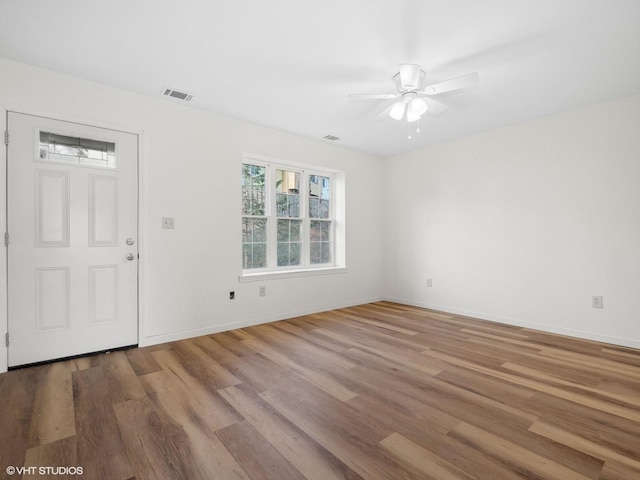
{"points": [[597, 301], [263, 291], [232, 295], [168, 222], [429, 282]]}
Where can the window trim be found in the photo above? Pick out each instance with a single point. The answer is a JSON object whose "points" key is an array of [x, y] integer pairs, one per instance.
{"points": [[337, 264], [302, 272]]}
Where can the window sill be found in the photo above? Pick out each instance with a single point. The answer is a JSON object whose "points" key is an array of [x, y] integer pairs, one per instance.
{"points": [[310, 272]]}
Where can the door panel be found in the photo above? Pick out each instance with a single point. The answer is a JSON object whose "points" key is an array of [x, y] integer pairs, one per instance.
{"points": [[103, 211], [52, 299], [71, 206], [52, 208], [103, 294]]}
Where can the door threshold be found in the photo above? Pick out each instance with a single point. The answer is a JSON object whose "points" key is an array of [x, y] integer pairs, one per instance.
{"points": [[72, 357]]}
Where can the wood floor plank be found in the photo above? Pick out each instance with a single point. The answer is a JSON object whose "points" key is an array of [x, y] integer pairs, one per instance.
{"points": [[302, 351], [200, 415], [259, 373], [594, 363], [531, 357], [455, 401], [346, 438], [520, 458], [610, 431], [122, 382], [381, 325], [503, 338], [314, 462], [392, 361], [416, 310], [216, 351], [485, 385], [185, 401], [100, 449], [424, 429], [53, 410], [620, 410], [341, 324], [460, 348], [156, 446], [82, 363], [629, 400], [18, 393], [232, 342], [201, 366], [429, 465], [58, 453], [142, 361], [410, 359], [579, 443], [309, 335], [616, 471], [618, 384], [258, 457], [496, 390], [321, 380], [620, 354]]}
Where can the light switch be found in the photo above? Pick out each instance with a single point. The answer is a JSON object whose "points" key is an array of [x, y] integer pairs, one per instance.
{"points": [[168, 222]]}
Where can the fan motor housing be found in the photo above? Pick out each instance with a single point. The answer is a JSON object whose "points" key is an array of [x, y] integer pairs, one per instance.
{"points": [[402, 88]]}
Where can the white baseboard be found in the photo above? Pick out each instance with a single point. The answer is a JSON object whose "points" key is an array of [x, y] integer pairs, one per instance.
{"points": [[184, 334], [623, 342]]}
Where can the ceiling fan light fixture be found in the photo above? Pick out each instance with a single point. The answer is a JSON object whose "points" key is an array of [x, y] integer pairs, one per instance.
{"points": [[397, 111], [415, 109], [418, 105], [412, 116]]}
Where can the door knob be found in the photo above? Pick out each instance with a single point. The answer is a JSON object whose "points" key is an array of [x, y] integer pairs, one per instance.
{"points": [[130, 256], [130, 241]]}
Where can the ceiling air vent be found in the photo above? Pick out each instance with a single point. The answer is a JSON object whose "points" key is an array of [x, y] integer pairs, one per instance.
{"points": [[332, 138], [170, 92]]}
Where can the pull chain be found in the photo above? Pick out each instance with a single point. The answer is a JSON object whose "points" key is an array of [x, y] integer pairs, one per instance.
{"points": [[417, 122]]}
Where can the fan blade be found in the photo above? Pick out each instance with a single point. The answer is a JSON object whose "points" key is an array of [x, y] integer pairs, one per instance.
{"points": [[463, 81], [384, 114], [433, 107], [374, 96]]}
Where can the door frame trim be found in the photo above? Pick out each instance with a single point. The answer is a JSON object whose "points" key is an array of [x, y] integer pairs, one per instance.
{"points": [[141, 206], [4, 284]]}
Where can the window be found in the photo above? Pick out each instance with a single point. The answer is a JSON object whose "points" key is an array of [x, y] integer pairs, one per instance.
{"points": [[288, 217], [288, 213], [254, 219], [58, 148], [320, 218]]}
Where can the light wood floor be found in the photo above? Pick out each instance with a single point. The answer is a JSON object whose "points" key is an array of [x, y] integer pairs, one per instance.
{"points": [[379, 391]]}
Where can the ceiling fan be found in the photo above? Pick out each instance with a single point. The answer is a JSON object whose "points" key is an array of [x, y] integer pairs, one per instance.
{"points": [[413, 97]]}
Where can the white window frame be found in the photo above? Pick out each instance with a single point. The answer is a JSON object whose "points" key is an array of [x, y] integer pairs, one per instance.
{"points": [[272, 270]]}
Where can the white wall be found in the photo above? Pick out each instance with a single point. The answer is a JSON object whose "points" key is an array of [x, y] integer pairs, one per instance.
{"points": [[190, 169], [523, 225]]}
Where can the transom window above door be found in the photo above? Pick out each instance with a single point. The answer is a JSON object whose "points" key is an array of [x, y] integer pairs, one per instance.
{"points": [[86, 152]]}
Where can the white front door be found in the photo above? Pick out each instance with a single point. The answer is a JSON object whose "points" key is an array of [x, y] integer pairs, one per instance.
{"points": [[72, 216]]}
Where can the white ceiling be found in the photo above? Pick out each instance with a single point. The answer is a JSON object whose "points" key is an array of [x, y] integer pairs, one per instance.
{"points": [[290, 64]]}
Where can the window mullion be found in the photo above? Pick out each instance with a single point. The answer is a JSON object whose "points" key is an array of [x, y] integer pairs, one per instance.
{"points": [[332, 217], [272, 222], [304, 206]]}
